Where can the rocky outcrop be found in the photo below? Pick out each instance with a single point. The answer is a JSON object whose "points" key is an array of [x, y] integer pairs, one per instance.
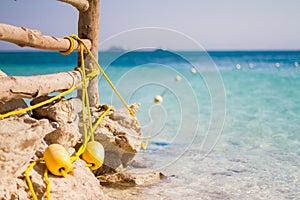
{"points": [[24, 138], [78, 185], [21, 137], [63, 114], [120, 136]]}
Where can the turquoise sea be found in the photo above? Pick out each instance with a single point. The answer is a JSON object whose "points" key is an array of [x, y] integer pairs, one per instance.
{"points": [[229, 131]]}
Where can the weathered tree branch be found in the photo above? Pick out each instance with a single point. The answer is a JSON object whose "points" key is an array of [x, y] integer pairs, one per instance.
{"points": [[88, 27], [33, 38], [14, 87], [81, 5]]}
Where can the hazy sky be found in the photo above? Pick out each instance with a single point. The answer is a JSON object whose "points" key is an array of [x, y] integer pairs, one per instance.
{"points": [[215, 24]]}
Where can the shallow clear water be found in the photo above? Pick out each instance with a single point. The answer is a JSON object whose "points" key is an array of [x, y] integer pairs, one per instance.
{"points": [[223, 133]]}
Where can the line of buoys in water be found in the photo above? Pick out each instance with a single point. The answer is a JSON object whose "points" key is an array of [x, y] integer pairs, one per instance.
{"points": [[277, 65], [238, 66], [159, 98]]}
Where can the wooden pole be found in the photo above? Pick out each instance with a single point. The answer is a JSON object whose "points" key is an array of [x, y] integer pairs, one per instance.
{"points": [[81, 5], [15, 87], [88, 28], [34, 38]]}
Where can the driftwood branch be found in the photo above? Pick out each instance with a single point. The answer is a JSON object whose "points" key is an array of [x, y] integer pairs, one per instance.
{"points": [[14, 87], [88, 27], [33, 38], [81, 5]]}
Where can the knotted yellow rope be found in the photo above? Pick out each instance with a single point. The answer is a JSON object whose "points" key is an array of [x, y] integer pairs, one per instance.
{"points": [[85, 103], [71, 48]]}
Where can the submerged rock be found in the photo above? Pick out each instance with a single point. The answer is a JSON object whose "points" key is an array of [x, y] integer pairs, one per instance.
{"points": [[131, 178]]}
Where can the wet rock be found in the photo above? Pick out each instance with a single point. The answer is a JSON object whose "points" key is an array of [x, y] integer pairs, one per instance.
{"points": [[120, 136], [2, 74], [131, 178], [20, 138]]}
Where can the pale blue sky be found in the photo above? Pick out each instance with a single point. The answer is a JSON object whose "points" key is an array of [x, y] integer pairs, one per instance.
{"points": [[215, 24]]}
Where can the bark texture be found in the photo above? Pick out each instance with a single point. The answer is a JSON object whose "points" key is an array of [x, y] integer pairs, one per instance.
{"points": [[81, 5], [23, 36], [15, 87], [88, 28]]}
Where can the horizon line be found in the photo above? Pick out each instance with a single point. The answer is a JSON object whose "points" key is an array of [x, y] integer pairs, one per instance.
{"points": [[153, 50]]}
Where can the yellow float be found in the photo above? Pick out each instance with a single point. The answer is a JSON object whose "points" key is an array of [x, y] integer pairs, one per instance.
{"points": [[158, 99], [57, 160], [94, 154]]}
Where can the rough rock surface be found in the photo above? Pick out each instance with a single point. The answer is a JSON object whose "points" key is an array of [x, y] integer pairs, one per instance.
{"points": [[13, 104], [23, 139], [20, 138], [58, 111], [78, 185], [132, 178], [120, 136], [64, 115]]}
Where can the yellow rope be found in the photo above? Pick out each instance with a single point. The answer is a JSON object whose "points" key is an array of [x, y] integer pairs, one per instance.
{"points": [[89, 76], [85, 102], [63, 173], [100, 176], [84, 99], [16, 112], [107, 78], [48, 183], [83, 146], [71, 47], [28, 177], [145, 144], [88, 165], [101, 117]]}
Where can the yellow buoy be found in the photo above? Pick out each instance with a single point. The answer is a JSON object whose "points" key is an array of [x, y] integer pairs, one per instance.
{"points": [[57, 160], [178, 78], [194, 71], [94, 154], [158, 99]]}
